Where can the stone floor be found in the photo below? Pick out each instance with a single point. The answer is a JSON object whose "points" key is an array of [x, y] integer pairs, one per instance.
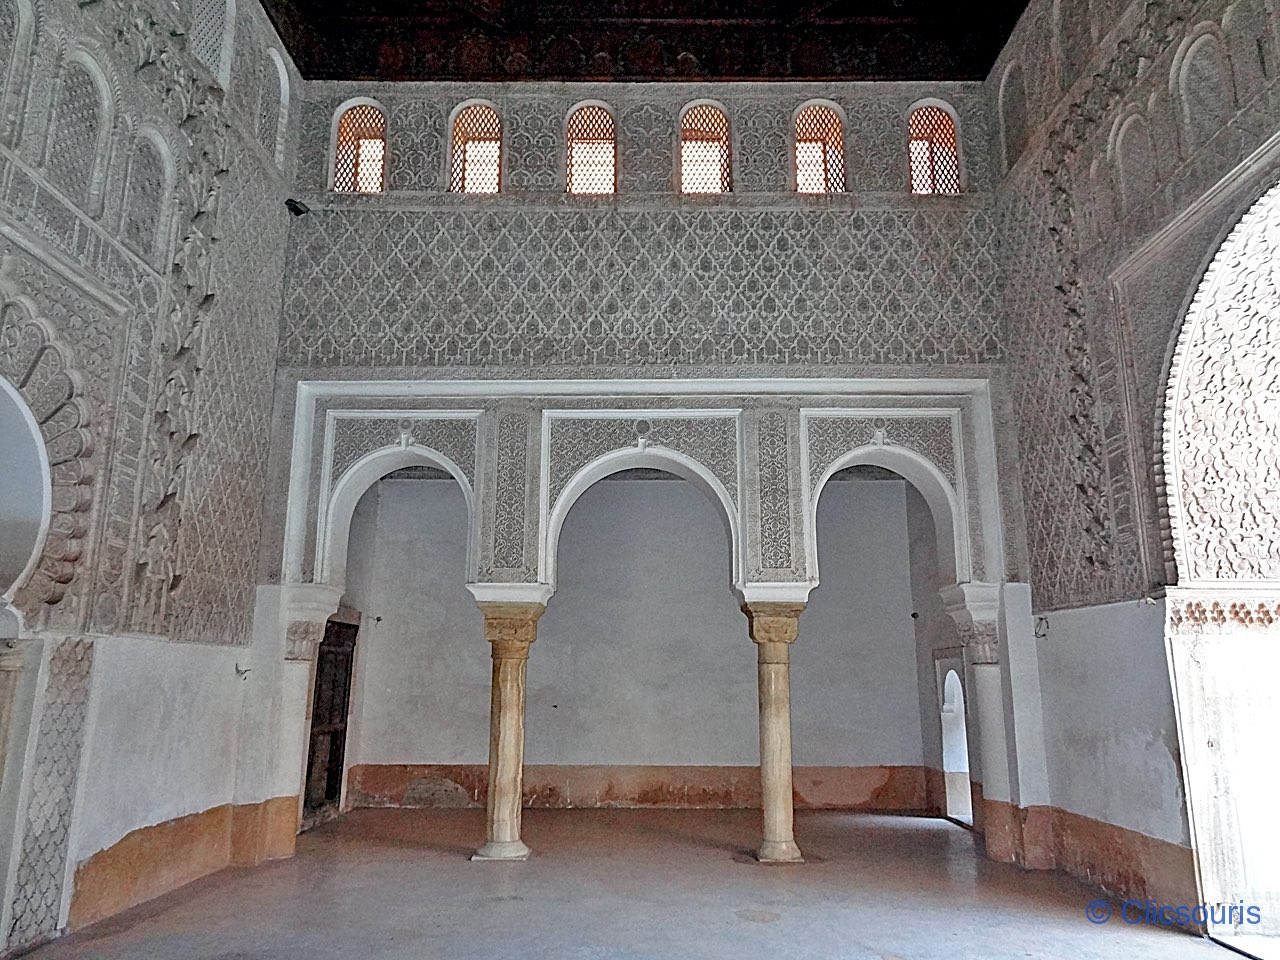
{"points": [[626, 885]]}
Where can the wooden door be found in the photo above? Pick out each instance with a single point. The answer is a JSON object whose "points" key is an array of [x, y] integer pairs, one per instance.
{"points": [[330, 705]]}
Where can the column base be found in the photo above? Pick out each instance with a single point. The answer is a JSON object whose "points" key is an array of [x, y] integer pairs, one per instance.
{"points": [[779, 851], [502, 850]]}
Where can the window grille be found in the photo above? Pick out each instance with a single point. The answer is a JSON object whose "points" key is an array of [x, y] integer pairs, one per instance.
{"points": [[361, 150], [591, 160], [934, 157], [705, 164], [208, 32], [819, 151], [477, 151]]}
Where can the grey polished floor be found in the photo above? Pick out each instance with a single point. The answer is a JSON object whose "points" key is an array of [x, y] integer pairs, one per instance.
{"points": [[626, 885]]}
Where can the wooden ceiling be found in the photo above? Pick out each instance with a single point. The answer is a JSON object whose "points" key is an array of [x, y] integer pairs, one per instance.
{"points": [[644, 40]]}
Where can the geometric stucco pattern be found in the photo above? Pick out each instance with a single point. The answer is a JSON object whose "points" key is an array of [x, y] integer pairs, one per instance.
{"points": [[528, 287], [1223, 427], [353, 437], [575, 442], [47, 823], [830, 437]]}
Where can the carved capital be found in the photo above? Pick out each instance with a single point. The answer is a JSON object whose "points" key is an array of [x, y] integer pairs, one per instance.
{"points": [[301, 639], [511, 628], [772, 623], [974, 608]]}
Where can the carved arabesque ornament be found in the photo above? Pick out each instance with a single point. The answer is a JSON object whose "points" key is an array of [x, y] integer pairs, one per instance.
{"points": [[42, 370], [1222, 427], [158, 51]]}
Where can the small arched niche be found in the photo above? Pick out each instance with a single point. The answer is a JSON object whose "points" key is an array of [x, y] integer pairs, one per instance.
{"points": [[955, 750], [25, 495]]}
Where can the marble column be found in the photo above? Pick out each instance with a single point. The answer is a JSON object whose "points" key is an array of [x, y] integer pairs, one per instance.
{"points": [[510, 629], [773, 628]]}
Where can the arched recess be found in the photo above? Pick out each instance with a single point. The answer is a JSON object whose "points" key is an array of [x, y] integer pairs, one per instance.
{"points": [[1013, 113], [635, 458], [1201, 82], [335, 521], [1134, 153], [954, 562], [955, 749]]}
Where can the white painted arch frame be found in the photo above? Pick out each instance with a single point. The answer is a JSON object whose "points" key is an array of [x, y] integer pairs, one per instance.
{"points": [[651, 457], [950, 516], [334, 522]]}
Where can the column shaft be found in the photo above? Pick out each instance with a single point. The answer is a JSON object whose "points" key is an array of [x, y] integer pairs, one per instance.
{"points": [[773, 628], [510, 629]]}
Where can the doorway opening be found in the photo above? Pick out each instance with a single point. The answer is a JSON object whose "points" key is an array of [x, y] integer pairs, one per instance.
{"points": [[955, 751], [331, 706]]}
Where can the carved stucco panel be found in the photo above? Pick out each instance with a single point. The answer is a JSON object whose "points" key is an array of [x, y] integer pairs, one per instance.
{"points": [[575, 442], [1223, 427], [354, 437]]}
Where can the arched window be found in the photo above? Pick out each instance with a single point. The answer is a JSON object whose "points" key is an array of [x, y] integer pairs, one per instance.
{"points": [[819, 150], [361, 150], [932, 150], [476, 162], [591, 158], [705, 162], [212, 26]]}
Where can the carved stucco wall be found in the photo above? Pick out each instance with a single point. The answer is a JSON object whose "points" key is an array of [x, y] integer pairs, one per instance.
{"points": [[417, 277], [520, 455], [141, 239], [1150, 128]]}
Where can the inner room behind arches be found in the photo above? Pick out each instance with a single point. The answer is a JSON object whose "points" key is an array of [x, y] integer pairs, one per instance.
{"points": [[641, 686]]}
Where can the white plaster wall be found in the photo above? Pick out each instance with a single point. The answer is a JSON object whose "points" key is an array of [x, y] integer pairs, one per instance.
{"points": [[643, 656], [163, 737], [855, 693], [1111, 740]]}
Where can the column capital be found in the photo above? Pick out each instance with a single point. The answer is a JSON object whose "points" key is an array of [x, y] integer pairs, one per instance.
{"points": [[511, 627], [773, 622], [975, 610]]}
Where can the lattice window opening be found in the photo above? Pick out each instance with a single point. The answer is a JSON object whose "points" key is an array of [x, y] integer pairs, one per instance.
{"points": [[591, 152], [476, 156], [209, 33], [933, 152], [705, 157], [819, 151], [360, 158]]}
